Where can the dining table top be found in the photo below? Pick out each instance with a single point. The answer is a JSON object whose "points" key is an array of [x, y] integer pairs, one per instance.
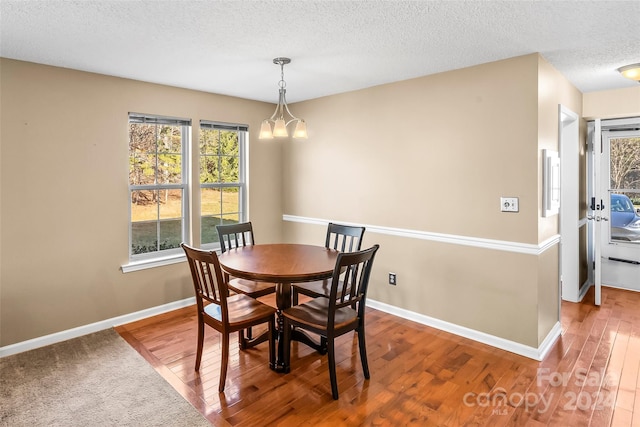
{"points": [[280, 262]]}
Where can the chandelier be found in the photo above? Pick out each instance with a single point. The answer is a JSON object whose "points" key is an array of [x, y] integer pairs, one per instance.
{"points": [[631, 72], [277, 118]]}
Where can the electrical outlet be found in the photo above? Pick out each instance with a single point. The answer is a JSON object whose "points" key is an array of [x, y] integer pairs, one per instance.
{"points": [[392, 279], [509, 204]]}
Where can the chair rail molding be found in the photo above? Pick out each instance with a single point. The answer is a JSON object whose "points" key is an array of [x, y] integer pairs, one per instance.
{"points": [[500, 245]]}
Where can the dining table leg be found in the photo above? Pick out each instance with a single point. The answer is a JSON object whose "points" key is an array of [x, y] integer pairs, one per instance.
{"points": [[283, 301]]}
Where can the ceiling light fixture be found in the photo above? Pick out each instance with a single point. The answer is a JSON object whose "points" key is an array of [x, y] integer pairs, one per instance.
{"points": [[631, 71], [277, 118]]}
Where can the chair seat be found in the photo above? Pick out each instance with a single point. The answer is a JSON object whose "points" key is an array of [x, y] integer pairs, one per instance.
{"points": [[242, 310], [251, 288], [315, 314]]}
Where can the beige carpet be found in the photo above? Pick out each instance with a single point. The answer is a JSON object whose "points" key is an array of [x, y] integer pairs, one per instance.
{"points": [[94, 380]]}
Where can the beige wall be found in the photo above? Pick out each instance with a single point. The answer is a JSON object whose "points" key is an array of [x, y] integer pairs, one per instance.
{"points": [[64, 195], [434, 155], [553, 90], [612, 104], [431, 155], [391, 144]]}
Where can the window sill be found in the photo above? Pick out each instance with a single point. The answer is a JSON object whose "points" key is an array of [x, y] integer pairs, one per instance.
{"points": [[152, 263]]}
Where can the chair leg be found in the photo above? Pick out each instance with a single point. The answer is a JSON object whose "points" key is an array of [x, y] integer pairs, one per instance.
{"points": [[224, 363], [200, 344], [242, 339], [286, 344], [272, 343], [332, 367], [363, 352], [294, 296], [323, 346], [242, 343]]}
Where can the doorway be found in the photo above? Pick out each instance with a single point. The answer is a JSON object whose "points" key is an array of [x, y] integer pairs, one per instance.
{"points": [[614, 208], [570, 224]]}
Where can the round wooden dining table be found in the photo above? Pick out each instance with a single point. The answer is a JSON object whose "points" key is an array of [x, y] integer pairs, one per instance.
{"points": [[282, 264]]}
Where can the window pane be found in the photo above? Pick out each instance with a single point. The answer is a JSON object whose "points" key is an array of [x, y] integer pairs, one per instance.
{"points": [[209, 234], [219, 206], [144, 224], [169, 139], [208, 141], [209, 169], [170, 204], [144, 206], [156, 220], [625, 163], [625, 189], [144, 237], [142, 169], [169, 169], [142, 160], [231, 201], [229, 143], [229, 169], [155, 154], [211, 208], [169, 146], [210, 202], [231, 218]]}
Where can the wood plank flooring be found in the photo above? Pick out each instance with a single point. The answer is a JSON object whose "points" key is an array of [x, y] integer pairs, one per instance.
{"points": [[419, 375]]}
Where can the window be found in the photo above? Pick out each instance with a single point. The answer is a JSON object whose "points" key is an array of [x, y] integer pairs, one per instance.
{"points": [[222, 178], [158, 176]]}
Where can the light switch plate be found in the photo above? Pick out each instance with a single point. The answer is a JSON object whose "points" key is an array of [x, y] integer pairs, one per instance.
{"points": [[509, 204]]}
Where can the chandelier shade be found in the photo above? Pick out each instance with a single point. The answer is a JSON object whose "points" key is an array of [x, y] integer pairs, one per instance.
{"points": [[631, 71], [277, 119]]}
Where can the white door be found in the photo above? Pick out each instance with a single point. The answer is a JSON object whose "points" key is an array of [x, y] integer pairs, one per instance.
{"points": [[615, 207]]}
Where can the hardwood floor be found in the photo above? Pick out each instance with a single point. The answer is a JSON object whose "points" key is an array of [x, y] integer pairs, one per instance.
{"points": [[419, 375]]}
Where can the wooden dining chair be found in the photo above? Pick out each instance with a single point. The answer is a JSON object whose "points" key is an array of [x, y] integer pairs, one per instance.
{"points": [[343, 311], [343, 238], [237, 235], [224, 313]]}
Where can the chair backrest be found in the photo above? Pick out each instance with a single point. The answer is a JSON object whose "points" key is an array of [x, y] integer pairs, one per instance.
{"points": [[207, 278], [235, 235], [344, 238], [350, 280]]}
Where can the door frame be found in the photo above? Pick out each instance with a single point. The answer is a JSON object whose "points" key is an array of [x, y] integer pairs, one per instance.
{"points": [[570, 222], [596, 126]]}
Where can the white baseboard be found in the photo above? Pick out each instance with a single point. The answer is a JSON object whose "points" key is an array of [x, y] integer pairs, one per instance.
{"points": [[93, 327], [501, 343]]}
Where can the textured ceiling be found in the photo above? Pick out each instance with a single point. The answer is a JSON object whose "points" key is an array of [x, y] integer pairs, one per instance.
{"points": [[227, 47]]}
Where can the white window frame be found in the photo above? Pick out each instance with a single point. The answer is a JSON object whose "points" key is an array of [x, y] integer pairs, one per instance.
{"points": [[173, 255], [243, 137]]}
